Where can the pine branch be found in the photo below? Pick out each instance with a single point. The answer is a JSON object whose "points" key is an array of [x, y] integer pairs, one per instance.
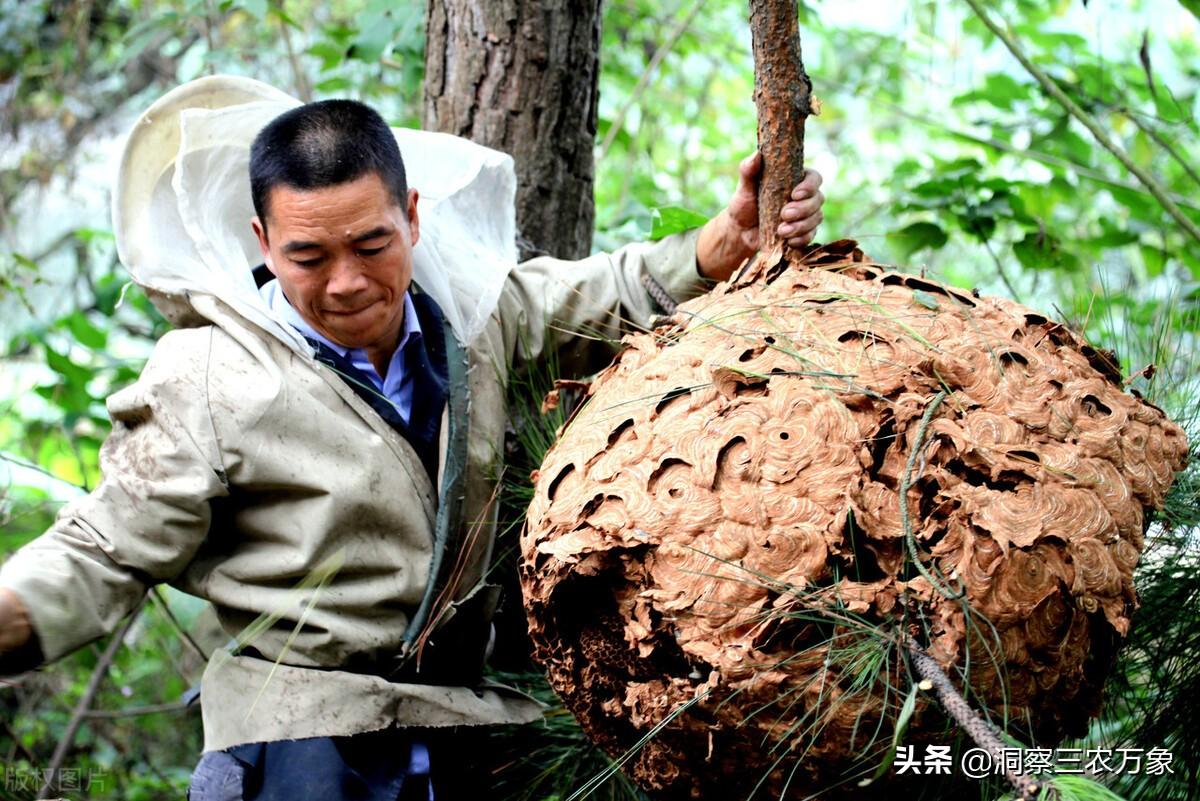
{"points": [[136, 711], [934, 678], [161, 604], [1056, 93], [1162, 142]]}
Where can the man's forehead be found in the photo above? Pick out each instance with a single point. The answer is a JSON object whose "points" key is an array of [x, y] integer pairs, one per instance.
{"points": [[349, 211], [349, 235]]}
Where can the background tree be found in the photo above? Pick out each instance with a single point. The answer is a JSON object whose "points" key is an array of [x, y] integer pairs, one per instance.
{"points": [[521, 76]]}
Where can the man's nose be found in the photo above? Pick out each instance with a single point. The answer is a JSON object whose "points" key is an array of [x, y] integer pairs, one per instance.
{"points": [[346, 278]]}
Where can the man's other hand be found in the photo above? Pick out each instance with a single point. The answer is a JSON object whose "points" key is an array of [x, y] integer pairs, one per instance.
{"points": [[14, 621], [732, 236]]}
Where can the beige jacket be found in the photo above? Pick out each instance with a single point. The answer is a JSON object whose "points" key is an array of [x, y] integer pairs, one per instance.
{"points": [[244, 473]]}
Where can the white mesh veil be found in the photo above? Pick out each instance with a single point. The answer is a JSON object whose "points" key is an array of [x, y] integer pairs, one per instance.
{"points": [[187, 229]]}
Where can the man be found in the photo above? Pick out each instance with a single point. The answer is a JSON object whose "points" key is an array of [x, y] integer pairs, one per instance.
{"points": [[314, 458]]}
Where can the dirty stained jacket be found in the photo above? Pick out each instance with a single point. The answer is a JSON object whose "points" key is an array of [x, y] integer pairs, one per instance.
{"points": [[243, 472]]}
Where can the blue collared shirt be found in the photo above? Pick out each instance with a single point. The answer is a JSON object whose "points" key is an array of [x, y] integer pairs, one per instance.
{"points": [[398, 386]]}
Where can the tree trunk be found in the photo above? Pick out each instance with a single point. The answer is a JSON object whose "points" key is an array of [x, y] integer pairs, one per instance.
{"points": [[521, 76], [782, 92]]}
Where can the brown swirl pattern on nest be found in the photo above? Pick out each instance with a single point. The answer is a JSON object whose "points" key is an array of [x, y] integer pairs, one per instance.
{"points": [[737, 472]]}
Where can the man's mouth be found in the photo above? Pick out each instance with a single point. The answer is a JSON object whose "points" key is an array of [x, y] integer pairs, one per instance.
{"points": [[349, 312]]}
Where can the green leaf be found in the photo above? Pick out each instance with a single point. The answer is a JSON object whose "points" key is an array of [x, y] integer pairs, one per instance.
{"points": [[331, 53], [331, 85], [1192, 6], [1138, 203], [920, 235], [374, 37], [1041, 251], [1155, 260], [62, 365], [90, 235], [85, 332], [1113, 237], [1192, 260], [286, 18], [999, 89], [980, 226], [669, 220]]}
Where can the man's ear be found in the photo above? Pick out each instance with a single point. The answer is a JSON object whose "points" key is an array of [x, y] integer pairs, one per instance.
{"points": [[414, 225], [264, 247]]}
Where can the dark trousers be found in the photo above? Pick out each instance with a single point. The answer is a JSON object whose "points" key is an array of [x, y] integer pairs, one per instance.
{"points": [[374, 766]]}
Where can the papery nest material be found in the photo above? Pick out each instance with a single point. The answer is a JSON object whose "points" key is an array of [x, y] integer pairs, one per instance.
{"points": [[715, 545]]}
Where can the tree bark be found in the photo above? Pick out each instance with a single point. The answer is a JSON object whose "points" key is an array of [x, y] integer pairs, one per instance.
{"points": [[782, 93], [521, 76]]}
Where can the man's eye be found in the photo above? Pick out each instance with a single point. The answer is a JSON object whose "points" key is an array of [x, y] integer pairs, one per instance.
{"points": [[370, 251], [307, 262]]}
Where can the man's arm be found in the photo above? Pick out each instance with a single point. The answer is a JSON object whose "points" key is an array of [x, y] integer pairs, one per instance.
{"points": [[546, 301], [142, 524]]}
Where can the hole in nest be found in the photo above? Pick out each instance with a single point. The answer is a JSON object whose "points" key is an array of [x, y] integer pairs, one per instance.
{"points": [[751, 353], [663, 467], [1104, 361], [755, 390], [880, 443], [726, 467], [926, 286], [1009, 358], [928, 503], [1093, 406], [1027, 455], [677, 392], [850, 336], [586, 615], [776, 271], [861, 563], [619, 430], [553, 488], [1007, 481], [962, 298], [784, 435], [592, 505]]}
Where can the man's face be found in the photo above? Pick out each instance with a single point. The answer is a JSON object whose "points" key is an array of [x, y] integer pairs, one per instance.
{"points": [[343, 257]]}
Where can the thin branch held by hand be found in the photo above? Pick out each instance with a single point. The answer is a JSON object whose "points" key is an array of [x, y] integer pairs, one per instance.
{"points": [[783, 95]]}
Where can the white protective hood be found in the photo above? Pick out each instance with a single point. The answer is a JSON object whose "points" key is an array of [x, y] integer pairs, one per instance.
{"points": [[182, 207]]}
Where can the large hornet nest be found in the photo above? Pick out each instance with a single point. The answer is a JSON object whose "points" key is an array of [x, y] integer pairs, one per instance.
{"points": [[715, 551]]}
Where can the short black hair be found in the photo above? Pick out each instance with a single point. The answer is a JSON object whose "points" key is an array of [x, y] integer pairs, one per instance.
{"points": [[324, 144]]}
